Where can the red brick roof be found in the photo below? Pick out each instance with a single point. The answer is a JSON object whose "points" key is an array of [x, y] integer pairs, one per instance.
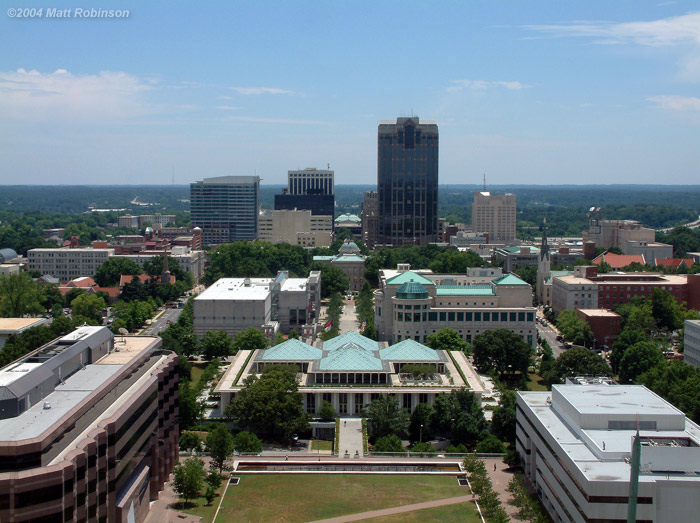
{"points": [[618, 261], [128, 278], [674, 262]]}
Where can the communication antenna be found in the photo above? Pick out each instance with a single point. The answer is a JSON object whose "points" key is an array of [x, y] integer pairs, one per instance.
{"points": [[484, 182], [123, 332]]}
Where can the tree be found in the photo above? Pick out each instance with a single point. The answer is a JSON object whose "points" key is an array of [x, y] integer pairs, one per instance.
{"points": [[188, 478], [665, 310], [247, 442], [503, 421], [490, 445], [388, 443], [210, 494], [110, 272], [638, 359], [420, 427], [574, 329], [577, 361], [293, 334], [332, 280], [88, 306], [423, 447], [250, 339], [385, 416], [19, 296], [220, 445], [326, 412], [459, 415], [216, 344], [190, 441], [448, 339], [270, 404], [503, 351], [190, 409]]}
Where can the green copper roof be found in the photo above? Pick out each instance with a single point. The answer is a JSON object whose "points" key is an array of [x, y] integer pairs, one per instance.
{"points": [[516, 249], [411, 290], [510, 279], [349, 258], [351, 351], [408, 276], [409, 350], [291, 350], [348, 218], [464, 290]]}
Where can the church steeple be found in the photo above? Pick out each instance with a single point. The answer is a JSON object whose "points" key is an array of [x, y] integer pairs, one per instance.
{"points": [[544, 247], [165, 273], [543, 266]]}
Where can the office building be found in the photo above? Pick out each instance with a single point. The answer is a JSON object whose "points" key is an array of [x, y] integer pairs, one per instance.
{"points": [[407, 182], [226, 208], [370, 218], [271, 304], [88, 428], [588, 289], [296, 228], [350, 371], [310, 190], [495, 215], [691, 342], [66, 263], [605, 325], [414, 304], [576, 446]]}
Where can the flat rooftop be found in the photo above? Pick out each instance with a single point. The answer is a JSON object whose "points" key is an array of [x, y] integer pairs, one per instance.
{"points": [[603, 313], [10, 325], [294, 284], [237, 289], [612, 399]]}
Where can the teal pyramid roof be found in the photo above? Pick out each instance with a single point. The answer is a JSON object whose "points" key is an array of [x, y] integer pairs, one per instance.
{"points": [[509, 279], [292, 349], [411, 290], [408, 276], [409, 350]]}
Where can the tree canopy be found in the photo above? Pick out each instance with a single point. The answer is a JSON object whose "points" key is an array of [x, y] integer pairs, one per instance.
{"points": [[250, 338], [385, 416], [110, 272], [574, 329], [216, 344], [188, 478], [220, 445], [448, 339], [19, 296], [503, 351], [270, 405], [577, 361]]}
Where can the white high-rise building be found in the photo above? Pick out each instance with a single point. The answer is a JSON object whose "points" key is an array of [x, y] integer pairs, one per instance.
{"points": [[494, 214]]}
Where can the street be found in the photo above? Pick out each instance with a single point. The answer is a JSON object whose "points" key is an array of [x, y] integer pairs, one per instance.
{"points": [[161, 323], [548, 333]]}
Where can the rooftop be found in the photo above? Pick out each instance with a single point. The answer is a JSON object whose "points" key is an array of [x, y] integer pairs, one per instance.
{"points": [[237, 289], [11, 325], [602, 313], [510, 279], [464, 290], [408, 276]]}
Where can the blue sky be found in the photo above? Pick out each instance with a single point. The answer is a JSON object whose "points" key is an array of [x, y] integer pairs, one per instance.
{"points": [[529, 92]]}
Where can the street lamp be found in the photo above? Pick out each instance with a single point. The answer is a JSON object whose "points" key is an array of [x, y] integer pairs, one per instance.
{"points": [[421, 433]]}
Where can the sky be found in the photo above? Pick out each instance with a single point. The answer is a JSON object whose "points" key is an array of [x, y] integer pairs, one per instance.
{"points": [[527, 92]]}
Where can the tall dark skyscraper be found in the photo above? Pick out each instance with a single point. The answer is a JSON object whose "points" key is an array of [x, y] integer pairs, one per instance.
{"points": [[407, 182], [309, 189]]}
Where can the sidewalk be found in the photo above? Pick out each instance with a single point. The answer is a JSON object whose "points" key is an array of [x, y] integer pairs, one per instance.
{"points": [[396, 510], [348, 319], [500, 479], [350, 438]]}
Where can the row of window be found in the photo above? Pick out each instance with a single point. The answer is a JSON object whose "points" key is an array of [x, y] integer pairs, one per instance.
{"points": [[465, 316]]}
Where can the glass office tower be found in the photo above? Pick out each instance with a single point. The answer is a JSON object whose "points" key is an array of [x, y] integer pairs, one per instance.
{"points": [[226, 208], [407, 182]]}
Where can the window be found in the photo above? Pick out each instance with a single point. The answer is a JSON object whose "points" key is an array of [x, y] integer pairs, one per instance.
{"points": [[469, 316], [521, 316], [477, 316], [432, 316], [443, 316], [530, 316], [504, 316], [460, 316], [512, 316], [399, 316], [451, 316], [487, 316]]}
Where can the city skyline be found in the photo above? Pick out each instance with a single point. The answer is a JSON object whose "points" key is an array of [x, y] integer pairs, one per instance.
{"points": [[569, 93]]}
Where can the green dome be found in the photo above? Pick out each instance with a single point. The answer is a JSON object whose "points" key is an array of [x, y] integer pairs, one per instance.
{"points": [[411, 290]]}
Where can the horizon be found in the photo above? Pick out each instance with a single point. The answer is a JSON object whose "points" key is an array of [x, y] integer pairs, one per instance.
{"points": [[553, 93]]}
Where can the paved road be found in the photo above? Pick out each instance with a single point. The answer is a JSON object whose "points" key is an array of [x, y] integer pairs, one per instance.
{"points": [[550, 334], [348, 319], [159, 325]]}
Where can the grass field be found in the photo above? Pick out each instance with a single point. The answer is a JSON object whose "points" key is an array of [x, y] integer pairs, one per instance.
{"points": [[197, 371], [308, 497], [533, 382], [461, 513], [319, 444]]}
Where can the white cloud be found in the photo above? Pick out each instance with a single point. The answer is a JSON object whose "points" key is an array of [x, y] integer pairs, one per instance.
{"points": [[62, 97], [261, 90], [227, 107], [260, 119], [676, 103], [479, 85], [681, 30]]}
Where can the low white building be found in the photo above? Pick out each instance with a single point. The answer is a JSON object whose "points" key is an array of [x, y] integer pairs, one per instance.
{"points": [[691, 343], [296, 228], [576, 446], [190, 260], [273, 304], [10, 326], [67, 263]]}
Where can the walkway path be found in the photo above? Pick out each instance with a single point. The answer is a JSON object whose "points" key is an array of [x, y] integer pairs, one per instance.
{"points": [[396, 510], [500, 477], [348, 318], [350, 439]]}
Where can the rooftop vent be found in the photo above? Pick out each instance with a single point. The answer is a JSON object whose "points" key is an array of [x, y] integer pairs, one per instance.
{"points": [[47, 405]]}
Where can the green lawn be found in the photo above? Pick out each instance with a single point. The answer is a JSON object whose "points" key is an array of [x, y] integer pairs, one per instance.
{"points": [[290, 498], [319, 444], [461, 513], [533, 382], [197, 371]]}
